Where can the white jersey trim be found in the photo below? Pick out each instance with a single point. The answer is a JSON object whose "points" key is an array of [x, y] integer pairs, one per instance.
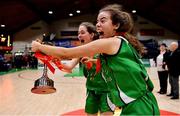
{"points": [[124, 97]]}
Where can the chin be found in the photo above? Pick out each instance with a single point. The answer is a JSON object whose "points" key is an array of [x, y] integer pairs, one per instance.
{"points": [[101, 36]]}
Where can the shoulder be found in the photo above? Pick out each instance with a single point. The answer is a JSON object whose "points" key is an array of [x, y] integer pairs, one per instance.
{"points": [[111, 45], [178, 53], [116, 43], [166, 53]]}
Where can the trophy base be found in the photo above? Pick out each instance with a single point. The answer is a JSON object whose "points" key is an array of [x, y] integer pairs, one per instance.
{"points": [[43, 90]]}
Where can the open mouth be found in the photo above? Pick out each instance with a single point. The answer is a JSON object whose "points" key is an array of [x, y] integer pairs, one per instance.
{"points": [[101, 34], [82, 41]]}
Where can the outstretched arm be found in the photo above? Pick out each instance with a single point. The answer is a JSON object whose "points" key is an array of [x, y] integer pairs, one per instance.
{"points": [[108, 46], [71, 64]]}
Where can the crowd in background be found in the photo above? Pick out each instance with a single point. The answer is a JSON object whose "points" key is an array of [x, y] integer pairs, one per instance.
{"points": [[168, 65], [17, 60]]}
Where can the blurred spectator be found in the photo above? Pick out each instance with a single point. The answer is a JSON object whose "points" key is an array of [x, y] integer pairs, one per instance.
{"points": [[162, 69], [1, 62], [33, 62], [18, 60], [173, 64], [5, 64]]}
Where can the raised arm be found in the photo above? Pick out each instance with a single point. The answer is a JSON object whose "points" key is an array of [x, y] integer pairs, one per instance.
{"points": [[71, 64], [108, 46]]}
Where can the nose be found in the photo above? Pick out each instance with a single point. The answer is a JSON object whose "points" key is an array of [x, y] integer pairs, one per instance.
{"points": [[97, 24], [97, 27], [79, 36]]}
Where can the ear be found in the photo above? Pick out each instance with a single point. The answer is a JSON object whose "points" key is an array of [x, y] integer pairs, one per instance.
{"points": [[92, 35], [117, 26]]}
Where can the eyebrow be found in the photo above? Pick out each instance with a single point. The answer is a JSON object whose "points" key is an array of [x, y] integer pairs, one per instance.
{"points": [[81, 31], [102, 18]]}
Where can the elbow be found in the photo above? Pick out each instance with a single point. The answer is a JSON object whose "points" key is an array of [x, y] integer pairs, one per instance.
{"points": [[68, 67]]}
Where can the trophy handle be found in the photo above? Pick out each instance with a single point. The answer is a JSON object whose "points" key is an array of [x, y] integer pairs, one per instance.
{"points": [[45, 70]]}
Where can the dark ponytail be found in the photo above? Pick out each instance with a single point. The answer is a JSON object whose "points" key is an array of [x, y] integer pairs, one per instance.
{"points": [[125, 22]]}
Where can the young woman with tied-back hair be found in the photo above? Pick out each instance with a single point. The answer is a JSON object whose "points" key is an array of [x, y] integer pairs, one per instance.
{"points": [[96, 100], [126, 77]]}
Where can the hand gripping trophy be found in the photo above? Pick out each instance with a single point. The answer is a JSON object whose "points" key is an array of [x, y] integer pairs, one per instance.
{"points": [[44, 85]]}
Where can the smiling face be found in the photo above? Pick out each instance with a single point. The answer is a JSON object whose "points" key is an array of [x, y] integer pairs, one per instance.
{"points": [[83, 35], [105, 26]]}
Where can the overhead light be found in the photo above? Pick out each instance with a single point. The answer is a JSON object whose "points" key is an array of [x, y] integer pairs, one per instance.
{"points": [[50, 12], [3, 39], [78, 11], [8, 41], [133, 11], [2, 25], [70, 14]]}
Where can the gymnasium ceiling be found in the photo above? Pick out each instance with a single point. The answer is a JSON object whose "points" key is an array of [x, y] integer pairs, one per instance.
{"points": [[18, 14]]}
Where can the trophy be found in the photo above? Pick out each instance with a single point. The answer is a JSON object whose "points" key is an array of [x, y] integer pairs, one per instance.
{"points": [[44, 85]]}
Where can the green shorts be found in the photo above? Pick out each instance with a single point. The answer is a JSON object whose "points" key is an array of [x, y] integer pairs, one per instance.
{"points": [[146, 105], [97, 101]]}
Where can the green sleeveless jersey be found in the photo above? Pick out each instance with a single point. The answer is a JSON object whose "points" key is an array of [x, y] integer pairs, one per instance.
{"points": [[125, 74], [94, 81]]}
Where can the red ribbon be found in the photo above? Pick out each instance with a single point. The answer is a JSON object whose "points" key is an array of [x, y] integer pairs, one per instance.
{"points": [[98, 65], [46, 59], [89, 65], [57, 62]]}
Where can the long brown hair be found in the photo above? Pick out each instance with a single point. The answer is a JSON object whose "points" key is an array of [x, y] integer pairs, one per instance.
{"points": [[124, 19]]}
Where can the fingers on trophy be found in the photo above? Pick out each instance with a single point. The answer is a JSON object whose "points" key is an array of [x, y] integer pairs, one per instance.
{"points": [[43, 85]]}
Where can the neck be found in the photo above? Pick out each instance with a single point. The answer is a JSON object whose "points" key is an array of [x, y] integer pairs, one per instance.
{"points": [[120, 33]]}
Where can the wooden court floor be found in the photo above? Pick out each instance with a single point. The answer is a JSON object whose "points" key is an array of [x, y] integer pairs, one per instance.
{"points": [[16, 98]]}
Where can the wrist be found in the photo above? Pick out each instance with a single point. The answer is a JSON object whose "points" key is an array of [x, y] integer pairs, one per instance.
{"points": [[39, 47]]}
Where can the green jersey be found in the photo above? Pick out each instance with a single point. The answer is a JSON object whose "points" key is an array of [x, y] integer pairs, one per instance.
{"points": [[94, 80], [125, 74]]}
